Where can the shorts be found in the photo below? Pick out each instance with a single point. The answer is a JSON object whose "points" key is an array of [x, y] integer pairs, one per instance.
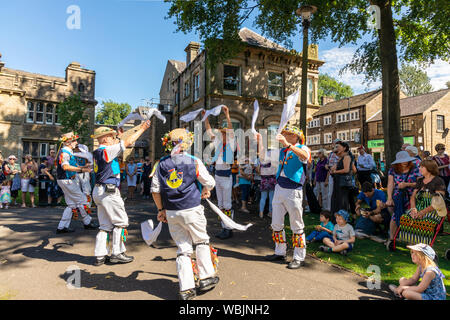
{"points": [[245, 191], [26, 186], [350, 246]]}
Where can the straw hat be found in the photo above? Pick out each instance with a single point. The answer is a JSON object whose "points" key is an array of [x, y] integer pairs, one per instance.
{"points": [[178, 136], [70, 136], [103, 131], [296, 131]]}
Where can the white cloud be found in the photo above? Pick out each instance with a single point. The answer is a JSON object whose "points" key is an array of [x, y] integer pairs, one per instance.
{"points": [[336, 58]]}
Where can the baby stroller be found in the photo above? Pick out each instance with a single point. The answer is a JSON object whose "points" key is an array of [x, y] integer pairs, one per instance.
{"points": [[426, 229]]}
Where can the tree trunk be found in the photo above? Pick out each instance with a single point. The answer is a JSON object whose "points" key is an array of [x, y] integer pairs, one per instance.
{"points": [[393, 139]]}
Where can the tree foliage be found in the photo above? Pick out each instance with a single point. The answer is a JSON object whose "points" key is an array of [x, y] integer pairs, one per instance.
{"points": [[111, 113], [330, 87], [72, 114], [414, 81]]}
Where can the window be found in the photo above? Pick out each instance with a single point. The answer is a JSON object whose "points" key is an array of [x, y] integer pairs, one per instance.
{"points": [[314, 123], [30, 112], [328, 138], [81, 88], [186, 89], [440, 123], [326, 120], [313, 140], [405, 125], [49, 113], [39, 112], [353, 134], [196, 87], [347, 116], [271, 134], [343, 135], [38, 149], [310, 92], [235, 123], [231, 80], [275, 86], [380, 128]]}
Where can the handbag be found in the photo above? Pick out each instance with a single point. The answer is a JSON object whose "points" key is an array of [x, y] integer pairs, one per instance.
{"points": [[33, 182]]}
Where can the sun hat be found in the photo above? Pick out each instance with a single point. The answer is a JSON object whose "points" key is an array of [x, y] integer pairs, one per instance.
{"points": [[70, 136], [336, 141], [12, 157], [178, 136], [413, 149], [425, 249], [296, 131], [403, 156], [344, 214], [102, 131]]}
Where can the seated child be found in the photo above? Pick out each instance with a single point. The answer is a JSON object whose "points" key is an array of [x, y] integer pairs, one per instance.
{"points": [[5, 194], [343, 235], [431, 287], [324, 230]]}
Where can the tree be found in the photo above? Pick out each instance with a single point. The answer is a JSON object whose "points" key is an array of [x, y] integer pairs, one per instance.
{"points": [[414, 81], [419, 30], [72, 114], [448, 84], [111, 113], [330, 87]]}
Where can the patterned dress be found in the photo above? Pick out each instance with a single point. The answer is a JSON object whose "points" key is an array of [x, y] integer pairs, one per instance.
{"points": [[436, 289]]}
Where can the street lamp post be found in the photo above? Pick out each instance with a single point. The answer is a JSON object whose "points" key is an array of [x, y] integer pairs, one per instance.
{"points": [[305, 12]]}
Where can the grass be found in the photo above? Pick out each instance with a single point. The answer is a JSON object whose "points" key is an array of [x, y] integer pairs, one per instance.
{"points": [[393, 265]]}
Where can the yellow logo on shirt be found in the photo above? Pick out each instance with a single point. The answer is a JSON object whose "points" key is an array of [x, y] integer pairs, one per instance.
{"points": [[175, 179], [95, 166]]}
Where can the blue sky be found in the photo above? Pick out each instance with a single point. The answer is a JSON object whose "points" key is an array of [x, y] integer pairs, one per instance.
{"points": [[127, 42]]}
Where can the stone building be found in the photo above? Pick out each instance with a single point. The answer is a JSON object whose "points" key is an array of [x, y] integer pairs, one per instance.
{"points": [[263, 70], [423, 121], [28, 107]]}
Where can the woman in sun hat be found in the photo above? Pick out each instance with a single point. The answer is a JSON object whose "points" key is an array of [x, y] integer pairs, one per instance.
{"points": [[432, 286], [402, 179], [177, 195]]}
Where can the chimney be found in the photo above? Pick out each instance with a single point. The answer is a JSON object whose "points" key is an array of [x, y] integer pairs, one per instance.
{"points": [[192, 51], [2, 64], [326, 99]]}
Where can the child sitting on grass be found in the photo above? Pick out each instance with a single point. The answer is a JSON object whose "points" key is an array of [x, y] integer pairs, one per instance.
{"points": [[343, 235], [431, 287], [324, 230]]}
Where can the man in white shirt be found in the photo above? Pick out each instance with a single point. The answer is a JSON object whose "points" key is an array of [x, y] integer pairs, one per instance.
{"points": [[364, 165], [110, 206], [177, 195]]}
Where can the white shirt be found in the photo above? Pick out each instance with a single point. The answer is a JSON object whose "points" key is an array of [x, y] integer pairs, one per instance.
{"points": [[205, 179], [218, 145]]}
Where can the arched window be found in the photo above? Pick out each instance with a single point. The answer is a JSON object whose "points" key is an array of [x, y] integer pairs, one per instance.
{"points": [[235, 123]]}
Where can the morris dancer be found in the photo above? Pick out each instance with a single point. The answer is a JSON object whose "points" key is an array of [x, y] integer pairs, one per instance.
{"points": [[288, 196], [177, 195], [224, 158], [110, 206], [66, 171], [84, 179]]}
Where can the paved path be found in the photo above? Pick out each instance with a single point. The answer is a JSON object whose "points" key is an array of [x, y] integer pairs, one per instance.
{"points": [[34, 261]]}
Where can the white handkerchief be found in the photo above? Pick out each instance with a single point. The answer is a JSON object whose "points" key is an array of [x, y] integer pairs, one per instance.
{"points": [[288, 110], [154, 112], [255, 115], [191, 115], [227, 221], [131, 117], [148, 233], [214, 112]]}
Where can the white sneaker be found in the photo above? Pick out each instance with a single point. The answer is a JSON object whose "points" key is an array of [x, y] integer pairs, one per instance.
{"points": [[377, 239], [361, 235]]}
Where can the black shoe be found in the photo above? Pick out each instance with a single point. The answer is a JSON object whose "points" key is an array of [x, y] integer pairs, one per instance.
{"points": [[91, 226], [295, 264], [275, 257], [188, 294], [64, 230], [121, 258], [100, 261], [208, 283], [225, 234], [447, 254]]}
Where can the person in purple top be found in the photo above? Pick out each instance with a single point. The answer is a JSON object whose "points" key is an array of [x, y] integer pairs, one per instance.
{"points": [[320, 178]]}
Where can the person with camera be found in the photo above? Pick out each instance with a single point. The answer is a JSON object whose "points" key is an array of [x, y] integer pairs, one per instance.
{"points": [[106, 195]]}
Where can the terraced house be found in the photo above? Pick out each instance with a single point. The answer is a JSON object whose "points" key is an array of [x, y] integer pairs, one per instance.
{"points": [[28, 107]]}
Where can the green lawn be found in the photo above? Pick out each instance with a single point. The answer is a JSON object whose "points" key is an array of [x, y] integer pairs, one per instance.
{"points": [[393, 265]]}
